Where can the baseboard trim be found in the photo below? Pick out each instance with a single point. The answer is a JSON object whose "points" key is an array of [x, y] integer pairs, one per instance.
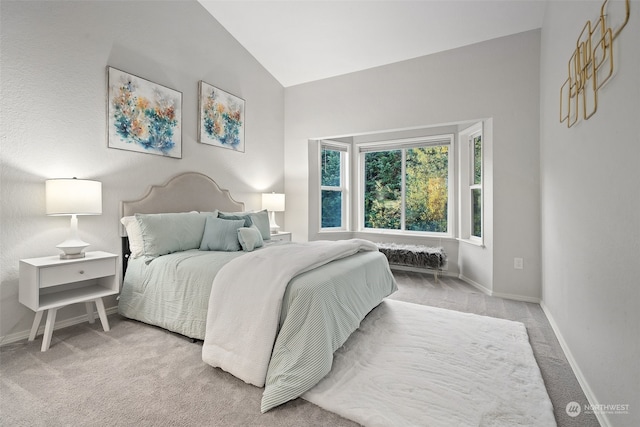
{"points": [[475, 284], [602, 418], [23, 335], [517, 297], [489, 292]]}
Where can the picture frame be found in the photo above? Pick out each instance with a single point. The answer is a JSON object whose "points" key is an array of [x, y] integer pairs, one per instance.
{"points": [[143, 116], [220, 118]]}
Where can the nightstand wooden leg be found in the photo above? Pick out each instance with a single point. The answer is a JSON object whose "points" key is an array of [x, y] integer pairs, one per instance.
{"points": [[103, 314], [90, 316], [48, 328], [36, 325]]}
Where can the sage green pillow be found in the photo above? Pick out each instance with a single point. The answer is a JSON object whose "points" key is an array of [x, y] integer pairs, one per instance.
{"points": [[170, 232], [250, 238], [221, 234], [245, 217], [260, 219]]}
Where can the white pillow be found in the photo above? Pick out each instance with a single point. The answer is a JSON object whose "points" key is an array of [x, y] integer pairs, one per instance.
{"points": [[136, 244]]}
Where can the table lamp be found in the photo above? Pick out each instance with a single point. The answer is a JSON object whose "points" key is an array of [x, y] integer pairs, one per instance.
{"points": [[273, 202], [72, 196]]}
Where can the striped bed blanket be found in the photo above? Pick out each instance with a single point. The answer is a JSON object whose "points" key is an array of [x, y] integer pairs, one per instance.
{"points": [[344, 281]]}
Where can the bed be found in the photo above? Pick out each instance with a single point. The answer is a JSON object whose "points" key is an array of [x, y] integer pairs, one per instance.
{"points": [[270, 313]]}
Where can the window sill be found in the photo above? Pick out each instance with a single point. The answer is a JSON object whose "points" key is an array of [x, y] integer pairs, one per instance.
{"points": [[477, 243], [443, 237], [336, 231]]}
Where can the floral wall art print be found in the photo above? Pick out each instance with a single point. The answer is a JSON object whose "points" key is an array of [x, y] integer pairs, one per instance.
{"points": [[143, 116], [221, 118]]}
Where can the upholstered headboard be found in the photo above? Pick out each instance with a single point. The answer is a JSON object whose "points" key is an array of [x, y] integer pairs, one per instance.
{"points": [[189, 191]]}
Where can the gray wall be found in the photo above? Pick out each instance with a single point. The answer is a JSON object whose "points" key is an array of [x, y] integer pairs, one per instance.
{"points": [[54, 58], [497, 79], [590, 177]]}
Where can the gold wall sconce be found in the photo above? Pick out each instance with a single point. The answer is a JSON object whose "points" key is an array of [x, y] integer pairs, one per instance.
{"points": [[590, 67]]}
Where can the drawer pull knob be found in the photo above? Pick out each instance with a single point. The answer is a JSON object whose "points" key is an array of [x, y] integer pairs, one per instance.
{"points": [[81, 271]]}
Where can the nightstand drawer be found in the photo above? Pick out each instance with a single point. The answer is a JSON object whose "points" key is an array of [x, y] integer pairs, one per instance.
{"points": [[283, 236], [75, 272]]}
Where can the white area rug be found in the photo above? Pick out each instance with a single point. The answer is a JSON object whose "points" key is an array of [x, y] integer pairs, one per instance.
{"points": [[413, 365]]}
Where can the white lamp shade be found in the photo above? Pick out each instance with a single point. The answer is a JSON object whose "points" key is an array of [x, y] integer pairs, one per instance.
{"points": [[73, 197], [273, 202]]}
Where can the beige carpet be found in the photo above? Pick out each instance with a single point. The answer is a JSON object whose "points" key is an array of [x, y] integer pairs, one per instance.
{"points": [[137, 375]]}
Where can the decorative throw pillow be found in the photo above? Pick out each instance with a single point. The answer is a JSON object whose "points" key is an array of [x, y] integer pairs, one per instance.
{"points": [[261, 220], [245, 217], [221, 234], [250, 238], [258, 218]]}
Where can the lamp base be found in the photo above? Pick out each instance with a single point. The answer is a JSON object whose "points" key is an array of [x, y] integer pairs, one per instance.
{"points": [[72, 256], [72, 248], [272, 223]]}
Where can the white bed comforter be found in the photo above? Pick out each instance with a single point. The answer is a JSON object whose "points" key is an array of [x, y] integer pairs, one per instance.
{"points": [[245, 302]]}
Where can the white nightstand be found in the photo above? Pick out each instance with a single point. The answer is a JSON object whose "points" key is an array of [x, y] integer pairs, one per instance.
{"points": [[283, 236], [49, 283]]}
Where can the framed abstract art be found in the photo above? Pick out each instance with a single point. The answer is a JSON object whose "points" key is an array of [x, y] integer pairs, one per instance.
{"points": [[221, 118], [143, 116]]}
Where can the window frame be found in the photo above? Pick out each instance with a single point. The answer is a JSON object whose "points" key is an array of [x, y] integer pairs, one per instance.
{"points": [[473, 186], [345, 155], [403, 145], [466, 184]]}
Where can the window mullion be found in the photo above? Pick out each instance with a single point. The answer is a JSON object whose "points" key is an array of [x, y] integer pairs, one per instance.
{"points": [[403, 190], [343, 189]]}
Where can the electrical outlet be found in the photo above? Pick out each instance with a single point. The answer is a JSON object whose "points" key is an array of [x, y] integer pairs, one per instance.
{"points": [[518, 263]]}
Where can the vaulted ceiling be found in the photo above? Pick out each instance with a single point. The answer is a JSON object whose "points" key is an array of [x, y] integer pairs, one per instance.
{"points": [[306, 40]]}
